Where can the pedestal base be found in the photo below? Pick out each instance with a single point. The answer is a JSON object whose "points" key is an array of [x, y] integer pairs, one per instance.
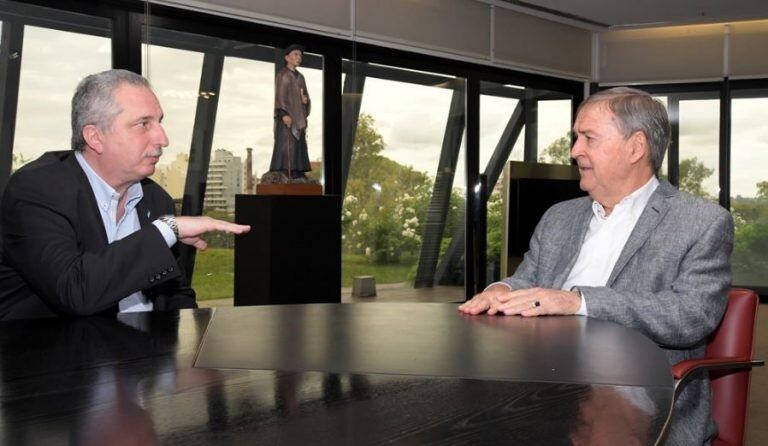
{"points": [[292, 254]]}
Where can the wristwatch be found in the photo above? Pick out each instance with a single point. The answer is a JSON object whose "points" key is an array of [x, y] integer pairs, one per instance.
{"points": [[170, 220]]}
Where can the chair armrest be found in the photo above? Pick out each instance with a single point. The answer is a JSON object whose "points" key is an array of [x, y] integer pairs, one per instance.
{"points": [[683, 368]]}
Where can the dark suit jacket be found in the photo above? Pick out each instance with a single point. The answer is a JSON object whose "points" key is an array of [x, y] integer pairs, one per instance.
{"points": [[55, 258], [670, 282]]}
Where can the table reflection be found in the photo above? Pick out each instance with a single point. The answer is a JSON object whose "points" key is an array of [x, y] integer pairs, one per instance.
{"points": [[131, 380]]}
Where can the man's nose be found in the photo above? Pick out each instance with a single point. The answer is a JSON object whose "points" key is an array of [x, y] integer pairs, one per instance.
{"points": [[161, 136], [577, 149]]}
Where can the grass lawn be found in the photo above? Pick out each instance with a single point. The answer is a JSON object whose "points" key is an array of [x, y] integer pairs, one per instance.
{"points": [[214, 272], [356, 265], [214, 276]]}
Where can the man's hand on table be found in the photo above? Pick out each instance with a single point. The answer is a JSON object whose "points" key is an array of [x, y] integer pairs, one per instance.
{"points": [[527, 302]]}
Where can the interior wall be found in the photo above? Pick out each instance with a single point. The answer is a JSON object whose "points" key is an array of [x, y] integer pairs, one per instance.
{"points": [[684, 53], [521, 38], [457, 29]]}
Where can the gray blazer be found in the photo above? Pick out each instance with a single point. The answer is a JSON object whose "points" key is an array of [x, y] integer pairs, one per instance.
{"points": [[670, 283]]}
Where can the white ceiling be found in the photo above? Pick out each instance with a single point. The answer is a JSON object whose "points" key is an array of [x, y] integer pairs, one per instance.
{"points": [[640, 13]]}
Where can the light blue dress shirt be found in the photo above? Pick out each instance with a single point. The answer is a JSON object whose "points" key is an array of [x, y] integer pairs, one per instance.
{"points": [[107, 199]]}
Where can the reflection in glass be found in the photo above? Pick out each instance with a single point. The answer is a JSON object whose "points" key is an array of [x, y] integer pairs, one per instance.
{"points": [[749, 188]]}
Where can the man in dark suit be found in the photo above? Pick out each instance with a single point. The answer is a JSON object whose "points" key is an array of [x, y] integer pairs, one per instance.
{"points": [[85, 231], [636, 251]]}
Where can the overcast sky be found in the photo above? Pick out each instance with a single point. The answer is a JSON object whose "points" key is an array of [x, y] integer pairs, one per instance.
{"points": [[411, 118]]}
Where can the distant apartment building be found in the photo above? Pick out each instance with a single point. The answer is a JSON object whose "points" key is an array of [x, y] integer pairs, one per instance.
{"points": [[172, 176], [225, 179]]}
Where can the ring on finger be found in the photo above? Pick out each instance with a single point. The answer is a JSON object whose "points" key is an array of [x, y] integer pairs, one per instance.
{"points": [[535, 304]]}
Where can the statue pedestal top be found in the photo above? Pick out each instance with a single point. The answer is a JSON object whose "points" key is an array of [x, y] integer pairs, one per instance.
{"points": [[289, 189]]}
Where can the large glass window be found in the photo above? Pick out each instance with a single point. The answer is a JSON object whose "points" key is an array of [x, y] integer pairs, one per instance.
{"points": [[554, 127], [502, 136], [219, 102], [48, 78], [404, 200], [699, 121], [503, 129], [749, 187], [175, 77], [695, 120]]}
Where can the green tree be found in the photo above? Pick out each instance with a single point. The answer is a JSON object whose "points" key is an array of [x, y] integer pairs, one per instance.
{"points": [[692, 175], [495, 224], [762, 189], [18, 160], [559, 152], [385, 201]]}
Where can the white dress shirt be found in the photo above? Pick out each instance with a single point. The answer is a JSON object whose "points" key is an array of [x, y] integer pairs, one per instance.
{"points": [[107, 200], [606, 238]]}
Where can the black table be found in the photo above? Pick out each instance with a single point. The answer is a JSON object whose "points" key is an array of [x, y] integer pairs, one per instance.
{"points": [[330, 374]]}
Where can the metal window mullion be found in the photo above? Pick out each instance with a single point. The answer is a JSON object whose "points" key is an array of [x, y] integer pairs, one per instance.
{"points": [[11, 44], [200, 150]]}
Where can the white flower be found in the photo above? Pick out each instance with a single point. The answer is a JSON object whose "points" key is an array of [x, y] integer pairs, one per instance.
{"points": [[367, 251], [348, 214]]}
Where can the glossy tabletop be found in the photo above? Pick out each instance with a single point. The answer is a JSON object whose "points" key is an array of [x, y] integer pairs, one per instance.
{"points": [[330, 374]]}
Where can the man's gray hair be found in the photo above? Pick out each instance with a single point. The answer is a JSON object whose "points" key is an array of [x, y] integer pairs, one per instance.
{"points": [[637, 111], [94, 101]]}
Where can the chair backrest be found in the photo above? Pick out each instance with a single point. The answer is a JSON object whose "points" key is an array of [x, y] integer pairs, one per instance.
{"points": [[730, 388]]}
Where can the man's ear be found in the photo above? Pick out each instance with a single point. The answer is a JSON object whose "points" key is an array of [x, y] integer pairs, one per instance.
{"points": [[638, 145], [93, 137]]}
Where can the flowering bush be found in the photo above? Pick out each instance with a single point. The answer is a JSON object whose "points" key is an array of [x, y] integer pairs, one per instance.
{"points": [[385, 226]]}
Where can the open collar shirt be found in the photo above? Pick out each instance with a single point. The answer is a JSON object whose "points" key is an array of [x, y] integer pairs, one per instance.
{"points": [[605, 239], [107, 200]]}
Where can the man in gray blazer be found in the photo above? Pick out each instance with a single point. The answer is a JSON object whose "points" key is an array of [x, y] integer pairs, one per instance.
{"points": [[636, 251]]}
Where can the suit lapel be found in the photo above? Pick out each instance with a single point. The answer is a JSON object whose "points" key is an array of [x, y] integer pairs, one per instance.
{"points": [[145, 215], [654, 212], [572, 246], [85, 186]]}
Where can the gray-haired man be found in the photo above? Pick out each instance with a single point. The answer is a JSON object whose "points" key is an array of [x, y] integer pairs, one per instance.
{"points": [[636, 251], [84, 231]]}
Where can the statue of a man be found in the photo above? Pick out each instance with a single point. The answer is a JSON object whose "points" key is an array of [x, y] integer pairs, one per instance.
{"points": [[292, 106]]}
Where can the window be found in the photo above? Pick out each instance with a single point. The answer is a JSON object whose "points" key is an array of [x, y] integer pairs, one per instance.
{"points": [[554, 128], [502, 136], [749, 187], [48, 78], [404, 199], [218, 97]]}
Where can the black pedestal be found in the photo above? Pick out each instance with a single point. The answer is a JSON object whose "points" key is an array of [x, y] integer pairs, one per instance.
{"points": [[292, 254]]}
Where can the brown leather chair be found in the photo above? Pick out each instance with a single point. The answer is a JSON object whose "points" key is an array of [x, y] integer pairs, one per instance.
{"points": [[729, 359]]}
